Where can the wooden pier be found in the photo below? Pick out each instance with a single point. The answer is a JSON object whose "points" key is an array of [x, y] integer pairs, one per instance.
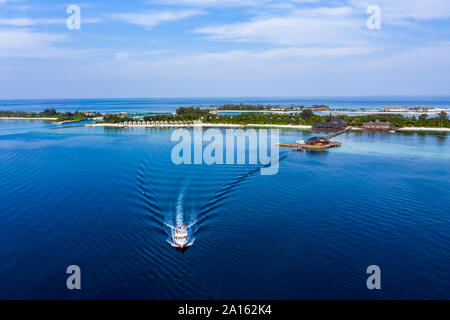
{"points": [[316, 143], [288, 145], [313, 147], [335, 134], [66, 127]]}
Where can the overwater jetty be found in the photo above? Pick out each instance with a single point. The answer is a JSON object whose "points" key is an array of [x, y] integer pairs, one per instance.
{"points": [[316, 143], [66, 127]]}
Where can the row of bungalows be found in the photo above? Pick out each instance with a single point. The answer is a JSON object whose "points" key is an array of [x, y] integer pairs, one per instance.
{"points": [[157, 123], [139, 123], [334, 124]]}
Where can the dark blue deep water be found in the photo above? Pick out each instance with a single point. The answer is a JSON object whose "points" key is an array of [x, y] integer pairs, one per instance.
{"points": [[102, 199]]}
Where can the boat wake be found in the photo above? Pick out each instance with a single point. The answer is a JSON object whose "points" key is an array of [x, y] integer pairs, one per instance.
{"points": [[183, 199]]}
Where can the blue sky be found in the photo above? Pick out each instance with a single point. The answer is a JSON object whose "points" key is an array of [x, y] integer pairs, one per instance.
{"points": [[205, 48]]}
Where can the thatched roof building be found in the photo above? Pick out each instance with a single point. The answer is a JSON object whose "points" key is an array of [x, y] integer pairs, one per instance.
{"points": [[334, 124], [317, 141], [377, 125]]}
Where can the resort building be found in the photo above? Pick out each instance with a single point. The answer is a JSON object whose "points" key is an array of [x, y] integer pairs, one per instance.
{"points": [[317, 141], [332, 125], [312, 144], [87, 113], [377, 125]]}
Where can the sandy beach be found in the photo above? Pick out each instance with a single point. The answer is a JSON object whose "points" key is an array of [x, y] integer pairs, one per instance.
{"points": [[226, 125], [197, 125], [425, 129]]}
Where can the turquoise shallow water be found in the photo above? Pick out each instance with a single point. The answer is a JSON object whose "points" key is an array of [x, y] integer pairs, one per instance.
{"points": [[101, 198], [170, 104]]}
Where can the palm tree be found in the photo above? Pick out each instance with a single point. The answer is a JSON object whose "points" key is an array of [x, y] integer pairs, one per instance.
{"points": [[443, 115]]}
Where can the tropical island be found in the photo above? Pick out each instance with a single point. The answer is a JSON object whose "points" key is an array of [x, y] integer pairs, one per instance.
{"points": [[267, 116], [305, 118], [50, 114]]}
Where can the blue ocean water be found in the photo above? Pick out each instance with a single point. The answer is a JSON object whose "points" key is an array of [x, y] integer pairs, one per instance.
{"points": [[170, 104], [102, 198]]}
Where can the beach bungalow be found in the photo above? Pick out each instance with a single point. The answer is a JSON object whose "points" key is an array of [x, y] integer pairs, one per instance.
{"points": [[317, 141], [334, 124], [377, 125]]}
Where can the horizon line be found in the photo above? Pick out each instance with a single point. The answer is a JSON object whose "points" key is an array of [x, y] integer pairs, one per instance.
{"points": [[237, 97]]}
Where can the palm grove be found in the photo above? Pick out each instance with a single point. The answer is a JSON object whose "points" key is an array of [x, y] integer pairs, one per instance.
{"points": [[302, 117]]}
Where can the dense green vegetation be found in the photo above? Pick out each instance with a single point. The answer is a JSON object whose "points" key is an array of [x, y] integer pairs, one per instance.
{"points": [[303, 117], [115, 118], [75, 116], [122, 117], [49, 113]]}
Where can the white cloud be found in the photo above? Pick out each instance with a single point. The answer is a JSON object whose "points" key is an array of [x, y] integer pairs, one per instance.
{"points": [[151, 19], [395, 10], [9, 1], [229, 3], [213, 3], [27, 22], [24, 43], [324, 26], [140, 54], [278, 54], [314, 52]]}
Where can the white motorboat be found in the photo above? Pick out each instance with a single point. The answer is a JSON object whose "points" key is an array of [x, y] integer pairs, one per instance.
{"points": [[181, 236]]}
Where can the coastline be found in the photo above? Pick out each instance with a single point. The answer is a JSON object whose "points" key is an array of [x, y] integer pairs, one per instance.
{"points": [[226, 125], [424, 129], [367, 111], [67, 121], [25, 118], [199, 125], [374, 111], [54, 120]]}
